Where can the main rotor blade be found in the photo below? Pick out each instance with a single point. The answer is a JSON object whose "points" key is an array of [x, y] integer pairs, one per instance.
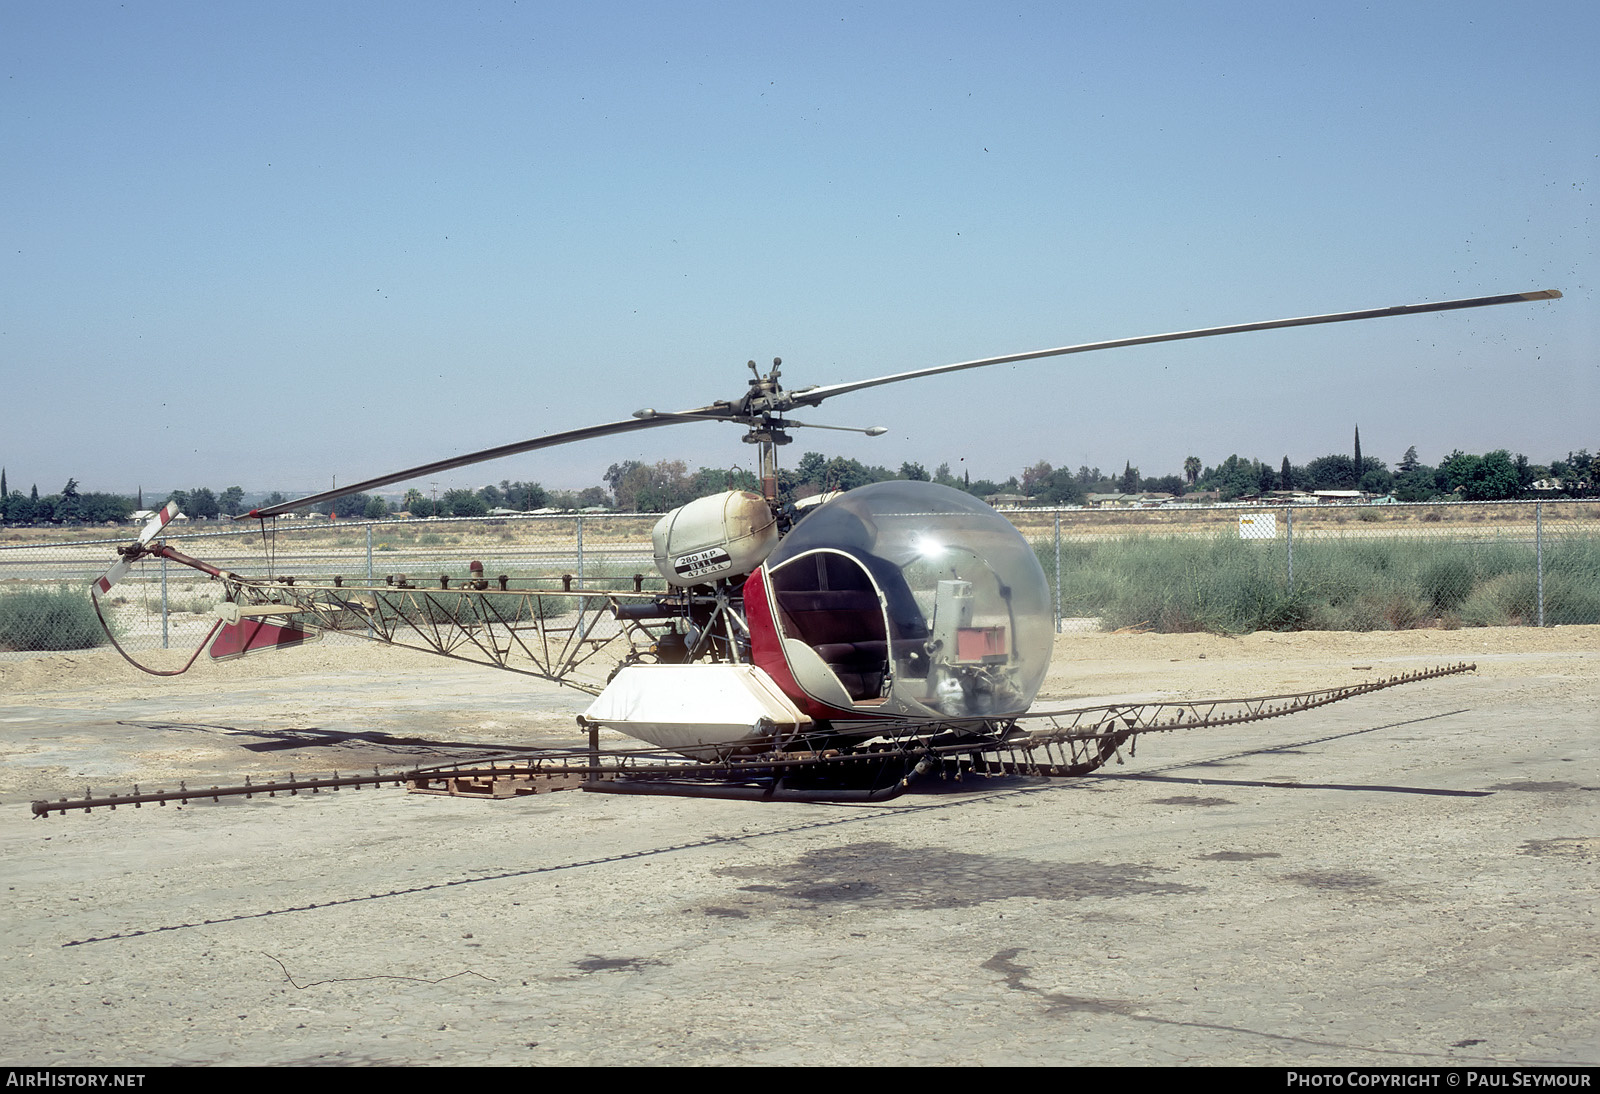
{"points": [[550, 440], [813, 396]]}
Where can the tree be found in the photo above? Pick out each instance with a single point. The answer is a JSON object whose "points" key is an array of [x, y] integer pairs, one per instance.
{"points": [[66, 509], [1036, 478], [614, 476], [1409, 461], [1129, 483], [376, 508], [1481, 478], [203, 504], [232, 500], [714, 480], [1358, 452], [1526, 473], [847, 474], [462, 503], [351, 505], [650, 489], [1335, 472], [914, 472], [99, 508], [1191, 468], [1417, 484], [1235, 476], [526, 496], [1578, 473], [1286, 475], [45, 508], [810, 469]]}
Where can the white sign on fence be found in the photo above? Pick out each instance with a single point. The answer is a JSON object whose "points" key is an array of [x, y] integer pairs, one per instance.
{"points": [[1258, 526]]}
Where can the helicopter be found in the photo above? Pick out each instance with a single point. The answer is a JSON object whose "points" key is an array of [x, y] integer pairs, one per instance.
{"points": [[823, 652]]}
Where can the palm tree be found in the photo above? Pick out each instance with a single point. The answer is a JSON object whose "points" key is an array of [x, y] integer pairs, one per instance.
{"points": [[1191, 468]]}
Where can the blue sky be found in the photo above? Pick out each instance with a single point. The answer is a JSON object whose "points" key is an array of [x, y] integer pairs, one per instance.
{"points": [[269, 244]]}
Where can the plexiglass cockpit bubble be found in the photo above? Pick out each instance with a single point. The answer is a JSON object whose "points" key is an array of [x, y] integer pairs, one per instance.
{"points": [[964, 606]]}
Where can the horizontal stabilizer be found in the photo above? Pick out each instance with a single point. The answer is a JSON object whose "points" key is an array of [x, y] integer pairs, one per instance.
{"points": [[257, 636]]}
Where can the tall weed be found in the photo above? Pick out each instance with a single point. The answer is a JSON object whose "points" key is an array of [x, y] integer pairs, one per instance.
{"points": [[1228, 585], [48, 619]]}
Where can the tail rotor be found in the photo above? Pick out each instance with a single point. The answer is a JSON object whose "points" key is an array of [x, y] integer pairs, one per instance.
{"points": [[131, 553]]}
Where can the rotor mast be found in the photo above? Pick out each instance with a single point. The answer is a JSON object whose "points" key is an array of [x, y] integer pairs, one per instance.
{"points": [[767, 427]]}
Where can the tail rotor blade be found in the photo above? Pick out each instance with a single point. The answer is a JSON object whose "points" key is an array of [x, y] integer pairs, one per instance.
{"points": [[129, 554], [158, 522]]}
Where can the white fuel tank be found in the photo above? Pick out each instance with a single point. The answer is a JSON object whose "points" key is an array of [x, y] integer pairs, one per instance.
{"points": [[723, 535]]}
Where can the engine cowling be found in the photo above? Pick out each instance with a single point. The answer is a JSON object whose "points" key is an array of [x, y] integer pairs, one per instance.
{"points": [[723, 535]]}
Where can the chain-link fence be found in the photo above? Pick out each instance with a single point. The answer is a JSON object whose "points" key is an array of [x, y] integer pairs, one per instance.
{"points": [[1323, 567], [164, 605], [1218, 568]]}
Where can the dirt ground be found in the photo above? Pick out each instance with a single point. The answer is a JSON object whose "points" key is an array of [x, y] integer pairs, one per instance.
{"points": [[1407, 878]]}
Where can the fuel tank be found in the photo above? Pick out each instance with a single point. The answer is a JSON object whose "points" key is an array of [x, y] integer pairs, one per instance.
{"points": [[723, 535]]}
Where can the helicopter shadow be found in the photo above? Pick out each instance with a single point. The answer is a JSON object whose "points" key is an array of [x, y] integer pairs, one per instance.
{"points": [[286, 740], [1295, 748]]}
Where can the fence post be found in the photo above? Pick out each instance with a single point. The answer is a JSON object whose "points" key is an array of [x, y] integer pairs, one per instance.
{"points": [[163, 543], [580, 552], [1289, 547], [369, 569], [1058, 571], [1538, 552]]}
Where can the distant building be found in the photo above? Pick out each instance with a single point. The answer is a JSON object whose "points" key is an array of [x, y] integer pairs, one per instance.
{"points": [[1129, 501]]}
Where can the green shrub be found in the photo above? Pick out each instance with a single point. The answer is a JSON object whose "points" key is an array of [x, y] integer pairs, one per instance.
{"points": [[1572, 580], [1569, 599], [1447, 582], [1223, 584], [1501, 601], [44, 619]]}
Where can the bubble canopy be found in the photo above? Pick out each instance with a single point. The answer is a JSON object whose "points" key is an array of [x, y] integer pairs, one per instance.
{"points": [[965, 601]]}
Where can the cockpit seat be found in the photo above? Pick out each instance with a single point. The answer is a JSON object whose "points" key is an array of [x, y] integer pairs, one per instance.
{"points": [[845, 627]]}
